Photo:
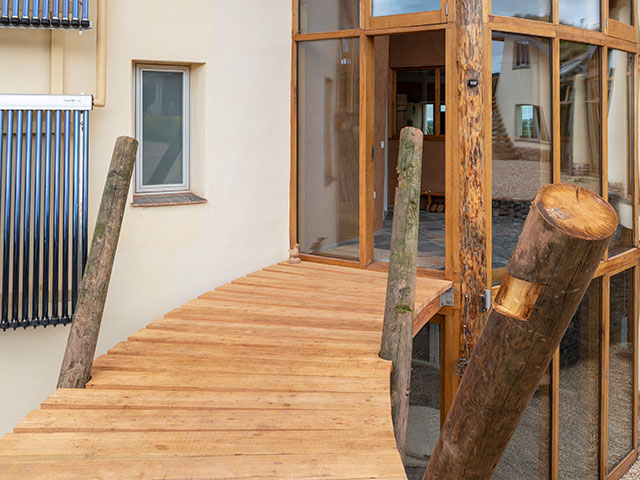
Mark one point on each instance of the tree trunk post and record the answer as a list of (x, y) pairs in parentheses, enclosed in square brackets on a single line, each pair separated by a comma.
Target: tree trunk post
[(560, 247), (397, 332), (83, 336)]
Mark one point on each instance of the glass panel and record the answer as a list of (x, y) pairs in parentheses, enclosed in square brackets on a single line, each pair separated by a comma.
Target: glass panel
[(621, 11), (580, 115), (328, 15), (531, 10), (415, 100), (443, 109), (580, 13), (521, 133), (528, 454), (328, 123), (579, 392), (381, 8), (162, 128), (423, 427), (620, 168), (621, 345)]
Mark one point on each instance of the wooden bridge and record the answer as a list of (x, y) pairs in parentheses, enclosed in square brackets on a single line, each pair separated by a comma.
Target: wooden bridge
[(275, 375)]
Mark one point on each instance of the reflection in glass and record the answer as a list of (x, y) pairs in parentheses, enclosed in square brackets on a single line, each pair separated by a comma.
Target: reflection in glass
[(521, 138), (416, 100), (580, 13), (580, 116), (528, 454), (621, 11), (579, 390), (328, 122), (328, 15), (531, 10), (621, 345), (381, 8), (162, 128), (621, 131)]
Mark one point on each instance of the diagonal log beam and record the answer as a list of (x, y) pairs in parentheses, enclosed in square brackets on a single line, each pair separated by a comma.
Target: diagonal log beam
[(560, 247)]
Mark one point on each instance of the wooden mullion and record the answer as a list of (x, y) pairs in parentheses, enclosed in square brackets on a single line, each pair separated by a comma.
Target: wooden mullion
[(555, 99), (452, 196), (293, 177), (365, 13), (295, 16), (307, 37), (604, 116), (636, 314), (555, 414), (555, 12), (488, 120), (634, 153), (604, 374)]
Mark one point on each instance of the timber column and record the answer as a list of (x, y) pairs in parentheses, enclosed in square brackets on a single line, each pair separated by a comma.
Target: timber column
[(471, 271)]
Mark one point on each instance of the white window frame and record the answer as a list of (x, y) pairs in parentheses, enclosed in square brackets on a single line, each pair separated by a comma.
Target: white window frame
[(184, 186)]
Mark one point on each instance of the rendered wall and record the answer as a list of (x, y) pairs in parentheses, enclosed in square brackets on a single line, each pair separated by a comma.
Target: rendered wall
[(240, 138)]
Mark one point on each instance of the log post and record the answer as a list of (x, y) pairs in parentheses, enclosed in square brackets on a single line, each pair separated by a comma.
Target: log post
[(397, 331), (557, 254), (83, 337)]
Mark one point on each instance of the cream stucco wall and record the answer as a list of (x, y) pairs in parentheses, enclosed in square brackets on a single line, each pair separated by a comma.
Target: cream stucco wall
[(240, 137)]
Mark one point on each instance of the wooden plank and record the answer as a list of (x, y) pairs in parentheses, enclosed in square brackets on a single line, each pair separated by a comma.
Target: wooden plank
[(131, 399), (187, 444), (365, 421), (246, 382), (274, 366), (264, 467)]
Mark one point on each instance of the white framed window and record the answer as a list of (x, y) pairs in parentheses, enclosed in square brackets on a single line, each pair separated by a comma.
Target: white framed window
[(162, 101)]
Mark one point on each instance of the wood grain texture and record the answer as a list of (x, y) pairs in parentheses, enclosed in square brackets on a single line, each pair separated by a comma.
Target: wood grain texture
[(273, 377)]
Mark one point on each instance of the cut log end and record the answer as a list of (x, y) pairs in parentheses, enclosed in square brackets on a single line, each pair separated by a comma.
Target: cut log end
[(576, 211)]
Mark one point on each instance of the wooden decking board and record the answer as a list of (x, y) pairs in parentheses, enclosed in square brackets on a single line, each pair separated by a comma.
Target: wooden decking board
[(275, 375)]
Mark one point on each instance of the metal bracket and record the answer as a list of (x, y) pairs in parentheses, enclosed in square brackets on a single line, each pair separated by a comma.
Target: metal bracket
[(446, 299), (486, 300)]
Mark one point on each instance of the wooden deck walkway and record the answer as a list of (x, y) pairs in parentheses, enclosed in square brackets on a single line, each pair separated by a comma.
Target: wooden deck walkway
[(275, 375)]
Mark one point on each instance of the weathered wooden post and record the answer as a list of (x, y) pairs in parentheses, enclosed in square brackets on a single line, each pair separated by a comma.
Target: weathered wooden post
[(397, 332), (83, 337), (558, 252)]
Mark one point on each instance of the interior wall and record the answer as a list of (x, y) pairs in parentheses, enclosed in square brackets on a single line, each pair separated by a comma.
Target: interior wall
[(420, 49)]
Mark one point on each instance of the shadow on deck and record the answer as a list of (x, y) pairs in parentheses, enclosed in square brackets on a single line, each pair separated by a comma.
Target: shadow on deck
[(275, 375)]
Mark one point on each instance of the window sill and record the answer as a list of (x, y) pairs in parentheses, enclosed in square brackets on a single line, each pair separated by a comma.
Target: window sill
[(166, 199)]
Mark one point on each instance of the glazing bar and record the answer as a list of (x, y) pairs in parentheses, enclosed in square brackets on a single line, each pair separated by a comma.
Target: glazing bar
[(7, 218), (55, 267), (15, 267), (26, 226), (47, 221), (76, 201), (85, 188), (4, 324), (65, 219), (35, 287)]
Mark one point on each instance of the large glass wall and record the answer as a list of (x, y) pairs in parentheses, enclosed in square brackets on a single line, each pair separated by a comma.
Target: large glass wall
[(620, 154), (579, 392), (621, 348), (328, 143), (580, 115), (531, 10), (328, 15), (521, 133)]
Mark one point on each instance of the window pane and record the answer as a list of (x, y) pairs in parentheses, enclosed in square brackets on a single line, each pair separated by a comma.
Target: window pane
[(620, 168), (621, 10), (580, 122), (328, 141), (532, 10), (521, 134), (528, 454), (621, 344), (162, 128), (580, 13), (415, 100), (328, 15), (395, 7), (579, 390)]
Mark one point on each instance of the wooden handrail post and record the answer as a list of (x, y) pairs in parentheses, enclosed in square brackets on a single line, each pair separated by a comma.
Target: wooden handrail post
[(560, 247), (397, 331), (83, 336)]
